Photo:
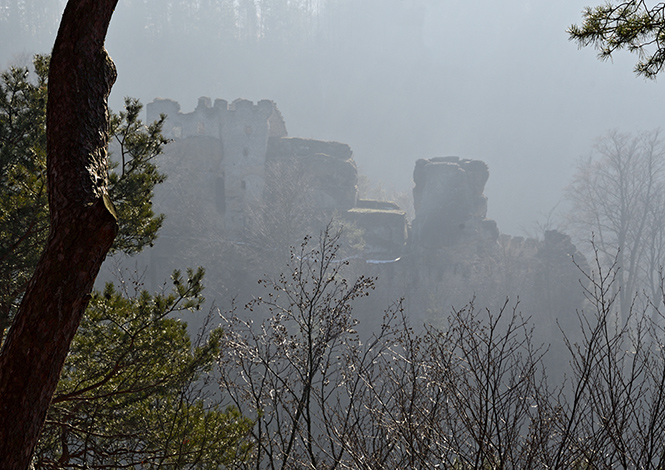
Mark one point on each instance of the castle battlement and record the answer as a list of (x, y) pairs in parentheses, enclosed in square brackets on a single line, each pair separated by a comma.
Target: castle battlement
[(235, 166), (213, 120)]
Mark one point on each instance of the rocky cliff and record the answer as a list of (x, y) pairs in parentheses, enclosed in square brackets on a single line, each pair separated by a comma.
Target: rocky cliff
[(240, 192)]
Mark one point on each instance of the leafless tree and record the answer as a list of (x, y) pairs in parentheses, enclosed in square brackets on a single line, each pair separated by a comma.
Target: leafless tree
[(470, 393), (292, 373), (617, 195), (612, 410), (464, 395), (322, 398)]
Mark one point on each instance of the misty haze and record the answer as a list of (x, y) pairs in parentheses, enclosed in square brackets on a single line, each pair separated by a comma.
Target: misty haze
[(431, 234)]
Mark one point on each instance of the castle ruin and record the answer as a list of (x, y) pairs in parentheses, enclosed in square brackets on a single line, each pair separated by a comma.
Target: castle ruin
[(228, 162), (234, 155)]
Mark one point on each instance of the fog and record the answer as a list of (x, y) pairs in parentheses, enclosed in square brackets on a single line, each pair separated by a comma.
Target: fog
[(398, 81), (482, 111), (494, 81)]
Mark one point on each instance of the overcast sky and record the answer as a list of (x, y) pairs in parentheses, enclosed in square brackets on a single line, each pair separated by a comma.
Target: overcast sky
[(496, 81)]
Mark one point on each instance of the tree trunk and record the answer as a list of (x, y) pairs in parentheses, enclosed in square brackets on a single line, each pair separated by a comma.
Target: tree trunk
[(82, 228)]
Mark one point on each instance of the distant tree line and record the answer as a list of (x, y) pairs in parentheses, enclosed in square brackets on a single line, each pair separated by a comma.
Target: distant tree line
[(245, 20)]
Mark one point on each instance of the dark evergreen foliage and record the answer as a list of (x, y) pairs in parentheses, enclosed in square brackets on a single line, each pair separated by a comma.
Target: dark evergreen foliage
[(634, 26), (130, 392), (23, 198), (132, 388)]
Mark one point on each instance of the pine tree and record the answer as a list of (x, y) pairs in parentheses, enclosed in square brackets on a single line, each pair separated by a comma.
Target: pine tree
[(23, 198), (132, 388), (633, 25)]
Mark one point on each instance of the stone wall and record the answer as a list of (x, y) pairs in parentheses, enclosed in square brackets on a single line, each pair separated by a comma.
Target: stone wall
[(242, 129), (247, 161), (384, 227), (328, 169)]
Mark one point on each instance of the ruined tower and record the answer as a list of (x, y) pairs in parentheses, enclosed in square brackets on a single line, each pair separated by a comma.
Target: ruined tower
[(226, 146)]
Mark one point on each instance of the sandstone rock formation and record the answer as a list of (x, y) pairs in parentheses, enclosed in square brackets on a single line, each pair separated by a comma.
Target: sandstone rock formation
[(383, 225), (449, 202), (239, 190), (328, 169)]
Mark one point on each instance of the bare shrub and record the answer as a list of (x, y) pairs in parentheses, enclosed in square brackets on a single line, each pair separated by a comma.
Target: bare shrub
[(469, 394)]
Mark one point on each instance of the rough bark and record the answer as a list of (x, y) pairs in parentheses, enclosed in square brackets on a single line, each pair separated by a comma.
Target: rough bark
[(82, 228)]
